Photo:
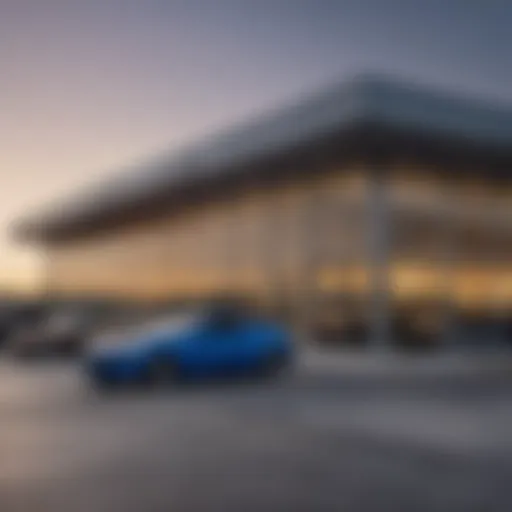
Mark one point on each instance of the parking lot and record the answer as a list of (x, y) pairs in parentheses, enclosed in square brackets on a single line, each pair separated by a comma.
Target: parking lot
[(327, 437)]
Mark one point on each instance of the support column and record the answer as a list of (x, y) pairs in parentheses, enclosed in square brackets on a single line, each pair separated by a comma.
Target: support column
[(272, 251), (311, 248), (49, 262), (449, 252), (379, 244)]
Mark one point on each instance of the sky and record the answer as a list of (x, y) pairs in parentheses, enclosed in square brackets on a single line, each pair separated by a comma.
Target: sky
[(87, 87)]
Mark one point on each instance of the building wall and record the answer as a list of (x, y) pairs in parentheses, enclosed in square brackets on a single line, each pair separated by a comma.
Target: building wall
[(452, 237), (305, 244)]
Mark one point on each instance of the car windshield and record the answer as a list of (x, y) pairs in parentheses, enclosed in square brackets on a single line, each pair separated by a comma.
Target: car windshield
[(222, 316), (129, 328)]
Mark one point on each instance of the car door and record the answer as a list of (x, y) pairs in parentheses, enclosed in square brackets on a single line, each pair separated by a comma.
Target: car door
[(221, 350)]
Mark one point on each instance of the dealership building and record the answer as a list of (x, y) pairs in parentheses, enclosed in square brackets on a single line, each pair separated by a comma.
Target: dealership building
[(373, 211)]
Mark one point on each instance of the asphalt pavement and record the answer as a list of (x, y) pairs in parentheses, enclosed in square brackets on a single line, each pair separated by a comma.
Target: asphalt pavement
[(332, 436)]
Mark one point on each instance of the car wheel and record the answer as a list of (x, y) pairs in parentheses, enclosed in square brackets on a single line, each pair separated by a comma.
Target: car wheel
[(161, 372), (275, 365), (103, 384)]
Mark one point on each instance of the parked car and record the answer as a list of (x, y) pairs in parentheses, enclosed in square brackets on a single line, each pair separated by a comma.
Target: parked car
[(60, 333), (9, 319), (221, 342)]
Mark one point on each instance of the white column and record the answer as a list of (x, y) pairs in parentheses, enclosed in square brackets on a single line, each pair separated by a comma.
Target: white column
[(379, 232), (449, 261), (311, 230)]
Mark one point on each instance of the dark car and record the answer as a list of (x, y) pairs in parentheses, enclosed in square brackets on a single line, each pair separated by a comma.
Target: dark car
[(60, 333)]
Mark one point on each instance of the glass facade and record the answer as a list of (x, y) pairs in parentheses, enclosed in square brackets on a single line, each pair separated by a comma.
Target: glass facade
[(305, 244)]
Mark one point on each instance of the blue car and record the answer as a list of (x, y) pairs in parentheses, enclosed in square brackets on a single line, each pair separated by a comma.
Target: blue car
[(201, 346)]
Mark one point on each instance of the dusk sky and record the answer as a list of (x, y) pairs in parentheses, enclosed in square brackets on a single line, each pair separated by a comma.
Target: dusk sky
[(89, 86)]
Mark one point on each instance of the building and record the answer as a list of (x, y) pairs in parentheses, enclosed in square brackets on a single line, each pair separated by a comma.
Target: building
[(375, 210)]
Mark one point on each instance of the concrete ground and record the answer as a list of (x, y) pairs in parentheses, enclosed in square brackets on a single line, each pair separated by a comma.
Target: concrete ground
[(344, 432)]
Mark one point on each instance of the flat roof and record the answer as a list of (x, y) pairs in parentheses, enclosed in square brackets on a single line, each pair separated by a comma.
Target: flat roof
[(366, 99)]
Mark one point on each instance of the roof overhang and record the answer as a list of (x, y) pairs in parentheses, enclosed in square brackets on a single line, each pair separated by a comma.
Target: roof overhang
[(365, 118)]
